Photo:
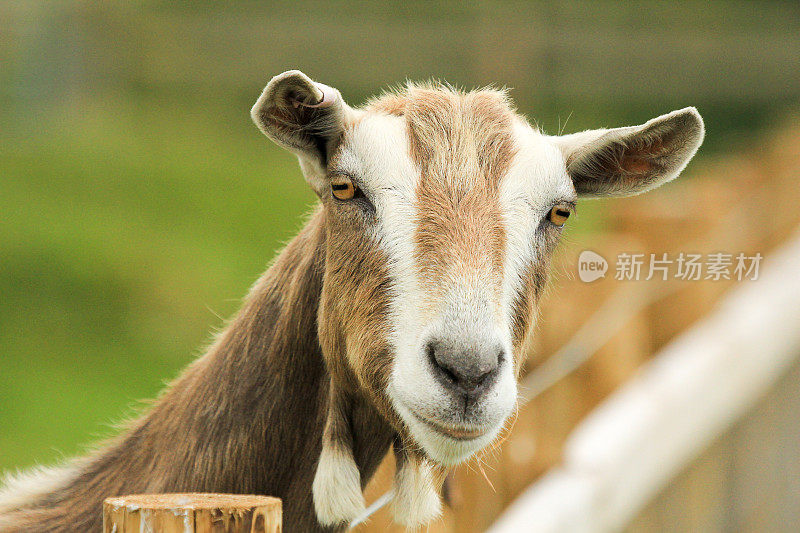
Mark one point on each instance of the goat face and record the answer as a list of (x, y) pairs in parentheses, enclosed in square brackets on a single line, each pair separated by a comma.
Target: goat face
[(442, 209)]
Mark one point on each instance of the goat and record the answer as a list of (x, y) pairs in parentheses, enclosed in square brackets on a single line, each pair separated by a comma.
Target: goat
[(396, 318)]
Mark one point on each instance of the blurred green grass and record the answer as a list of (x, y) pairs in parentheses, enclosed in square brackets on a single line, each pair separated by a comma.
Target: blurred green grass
[(138, 203)]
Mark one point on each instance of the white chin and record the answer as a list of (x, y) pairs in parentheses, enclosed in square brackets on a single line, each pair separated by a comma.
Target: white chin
[(444, 449)]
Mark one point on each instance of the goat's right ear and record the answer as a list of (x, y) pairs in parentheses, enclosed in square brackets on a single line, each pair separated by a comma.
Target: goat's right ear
[(302, 116)]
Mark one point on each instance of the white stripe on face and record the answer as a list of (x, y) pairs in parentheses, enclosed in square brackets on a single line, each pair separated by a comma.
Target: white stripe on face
[(536, 180)]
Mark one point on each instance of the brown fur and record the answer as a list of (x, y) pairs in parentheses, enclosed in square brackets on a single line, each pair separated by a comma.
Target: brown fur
[(463, 145), (244, 418)]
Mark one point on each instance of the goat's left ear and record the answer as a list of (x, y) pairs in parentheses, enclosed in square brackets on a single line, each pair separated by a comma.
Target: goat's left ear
[(303, 116), (632, 160)]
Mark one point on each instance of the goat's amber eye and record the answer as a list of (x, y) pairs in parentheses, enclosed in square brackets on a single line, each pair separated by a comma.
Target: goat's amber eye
[(343, 187), (559, 215)]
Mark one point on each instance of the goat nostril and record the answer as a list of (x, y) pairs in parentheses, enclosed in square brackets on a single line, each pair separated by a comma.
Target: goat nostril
[(430, 348), (444, 371)]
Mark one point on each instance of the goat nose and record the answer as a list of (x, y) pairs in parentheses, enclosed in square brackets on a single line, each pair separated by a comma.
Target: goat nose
[(470, 369)]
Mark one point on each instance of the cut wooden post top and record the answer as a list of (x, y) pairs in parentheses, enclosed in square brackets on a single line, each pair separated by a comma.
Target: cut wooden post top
[(192, 513), (194, 500)]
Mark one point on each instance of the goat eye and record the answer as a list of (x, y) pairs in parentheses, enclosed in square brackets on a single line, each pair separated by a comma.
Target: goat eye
[(343, 187), (559, 215)]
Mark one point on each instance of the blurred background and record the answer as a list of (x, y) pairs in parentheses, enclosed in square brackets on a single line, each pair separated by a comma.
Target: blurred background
[(138, 203)]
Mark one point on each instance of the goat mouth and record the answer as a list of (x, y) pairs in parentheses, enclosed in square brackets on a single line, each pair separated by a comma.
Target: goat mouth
[(450, 431)]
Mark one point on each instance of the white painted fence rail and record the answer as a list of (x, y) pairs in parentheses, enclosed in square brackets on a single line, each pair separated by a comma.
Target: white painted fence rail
[(690, 393)]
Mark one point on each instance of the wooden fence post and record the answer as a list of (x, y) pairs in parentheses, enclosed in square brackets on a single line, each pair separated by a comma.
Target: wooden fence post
[(192, 513)]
